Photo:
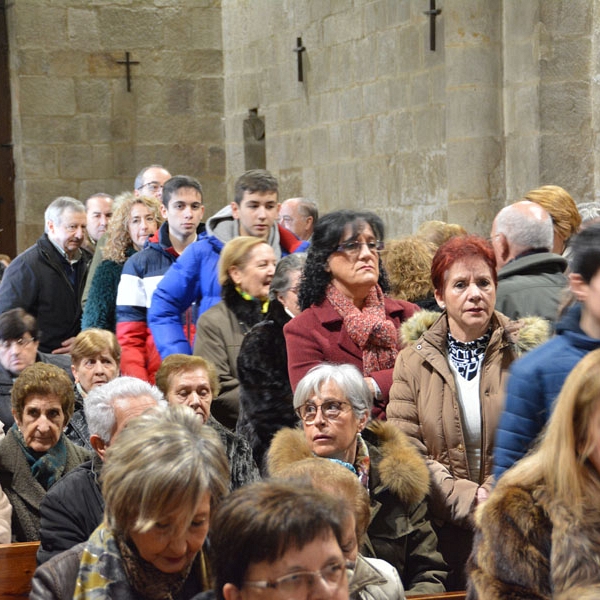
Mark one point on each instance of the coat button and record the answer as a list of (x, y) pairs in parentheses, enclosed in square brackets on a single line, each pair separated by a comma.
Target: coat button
[(460, 448), (418, 346)]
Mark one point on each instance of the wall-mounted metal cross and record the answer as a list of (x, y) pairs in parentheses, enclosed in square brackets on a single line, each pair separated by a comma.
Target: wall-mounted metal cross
[(299, 49), (128, 62), (432, 13)]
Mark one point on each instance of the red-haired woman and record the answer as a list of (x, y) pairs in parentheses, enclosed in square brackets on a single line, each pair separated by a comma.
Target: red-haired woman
[(447, 393)]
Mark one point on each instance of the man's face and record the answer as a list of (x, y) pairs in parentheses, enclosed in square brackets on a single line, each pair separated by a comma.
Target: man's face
[(184, 212), (293, 220), (99, 211), (69, 231), (257, 212), (153, 182)]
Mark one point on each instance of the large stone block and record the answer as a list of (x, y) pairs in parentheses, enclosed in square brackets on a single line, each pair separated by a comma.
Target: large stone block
[(521, 20), (53, 130), (429, 127), (125, 28), (103, 163), (473, 65), (76, 162), (568, 17), (93, 96), (565, 108), (569, 61), (42, 96), (39, 26), (376, 97), (39, 161), (82, 30), (473, 111), (343, 27)]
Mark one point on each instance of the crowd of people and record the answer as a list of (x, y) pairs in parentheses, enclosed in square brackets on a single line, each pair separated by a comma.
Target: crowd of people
[(283, 404)]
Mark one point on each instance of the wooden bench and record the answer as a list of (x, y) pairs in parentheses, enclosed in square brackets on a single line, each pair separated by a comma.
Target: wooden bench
[(444, 596), (17, 564)]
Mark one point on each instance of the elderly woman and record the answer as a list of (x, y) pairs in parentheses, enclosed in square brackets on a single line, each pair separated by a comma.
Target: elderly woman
[(265, 391), (448, 386), (95, 359), (35, 453), (371, 577), (162, 476), (193, 381), (346, 318), (538, 534), (334, 404), (19, 342), (246, 268), (134, 220), (273, 540)]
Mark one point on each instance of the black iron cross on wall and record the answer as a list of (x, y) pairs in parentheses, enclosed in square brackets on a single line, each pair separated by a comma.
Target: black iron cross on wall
[(432, 13), (299, 49), (128, 62)]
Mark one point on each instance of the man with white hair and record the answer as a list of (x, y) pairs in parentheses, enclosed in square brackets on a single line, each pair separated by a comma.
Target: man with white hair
[(47, 279), (530, 276), (73, 507)]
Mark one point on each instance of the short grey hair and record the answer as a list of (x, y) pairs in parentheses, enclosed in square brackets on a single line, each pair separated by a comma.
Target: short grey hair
[(347, 377), (99, 404), (163, 462), (98, 195), (57, 207), (308, 208), (139, 178), (523, 231), (285, 267), (589, 211)]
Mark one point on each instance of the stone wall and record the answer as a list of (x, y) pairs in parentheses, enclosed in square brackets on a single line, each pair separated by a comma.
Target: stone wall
[(77, 129)]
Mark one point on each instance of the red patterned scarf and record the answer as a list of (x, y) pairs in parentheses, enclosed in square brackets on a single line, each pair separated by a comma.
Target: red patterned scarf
[(368, 328)]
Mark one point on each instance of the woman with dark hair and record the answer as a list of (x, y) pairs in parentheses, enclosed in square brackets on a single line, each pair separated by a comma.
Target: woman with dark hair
[(265, 391), (346, 317), (449, 386)]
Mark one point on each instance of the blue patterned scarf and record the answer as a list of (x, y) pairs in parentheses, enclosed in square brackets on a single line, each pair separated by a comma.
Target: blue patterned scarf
[(467, 357)]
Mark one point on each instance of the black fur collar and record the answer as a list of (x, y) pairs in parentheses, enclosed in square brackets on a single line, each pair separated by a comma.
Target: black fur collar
[(248, 312)]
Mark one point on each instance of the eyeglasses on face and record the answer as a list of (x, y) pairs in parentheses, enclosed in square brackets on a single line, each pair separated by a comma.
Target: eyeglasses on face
[(352, 248), (153, 186), (21, 343), (330, 409), (296, 585)]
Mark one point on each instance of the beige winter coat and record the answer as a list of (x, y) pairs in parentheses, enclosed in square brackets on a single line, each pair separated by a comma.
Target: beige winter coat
[(423, 403)]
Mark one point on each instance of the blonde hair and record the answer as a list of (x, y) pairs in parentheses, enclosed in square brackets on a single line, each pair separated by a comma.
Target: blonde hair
[(163, 462), (439, 232), (562, 208), (335, 480), (236, 253), (407, 262), (92, 342), (560, 457), (176, 364), (118, 240)]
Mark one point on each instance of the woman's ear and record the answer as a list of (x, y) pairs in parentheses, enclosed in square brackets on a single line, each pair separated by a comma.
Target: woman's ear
[(578, 287), (231, 592), (439, 298), (235, 274)]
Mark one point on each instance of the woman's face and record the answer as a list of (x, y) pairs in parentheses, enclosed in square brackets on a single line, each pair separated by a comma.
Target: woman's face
[(191, 388), (142, 225), (42, 422), (469, 296), (321, 554), (333, 438), (172, 543), (95, 370), (355, 272), (256, 276), (289, 298)]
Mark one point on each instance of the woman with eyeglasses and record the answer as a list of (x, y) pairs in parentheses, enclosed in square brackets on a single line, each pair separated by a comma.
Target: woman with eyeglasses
[(346, 317), (334, 403), (135, 219), (278, 541), (448, 388)]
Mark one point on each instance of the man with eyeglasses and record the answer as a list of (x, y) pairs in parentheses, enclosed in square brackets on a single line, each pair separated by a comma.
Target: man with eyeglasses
[(19, 348), (47, 279), (183, 209), (193, 279), (150, 181)]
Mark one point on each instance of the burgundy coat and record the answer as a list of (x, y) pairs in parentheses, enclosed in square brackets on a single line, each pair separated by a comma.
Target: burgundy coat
[(317, 335)]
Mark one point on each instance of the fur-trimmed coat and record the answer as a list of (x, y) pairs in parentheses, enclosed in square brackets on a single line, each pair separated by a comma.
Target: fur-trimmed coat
[(528, 546), (219, 335), (400, 531), (424, 404), (266, 399)]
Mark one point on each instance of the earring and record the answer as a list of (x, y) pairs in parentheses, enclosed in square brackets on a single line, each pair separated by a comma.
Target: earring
[(443, 306)]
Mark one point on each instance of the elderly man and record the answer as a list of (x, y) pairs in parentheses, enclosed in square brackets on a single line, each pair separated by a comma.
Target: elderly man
[(530, 277), (299, 215), (47, 279), (19, 344), (74, 506), (98, 210)]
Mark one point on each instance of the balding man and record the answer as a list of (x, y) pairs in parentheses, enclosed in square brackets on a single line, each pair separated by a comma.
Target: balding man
[(530, 277), (98, 210), (299, 215)]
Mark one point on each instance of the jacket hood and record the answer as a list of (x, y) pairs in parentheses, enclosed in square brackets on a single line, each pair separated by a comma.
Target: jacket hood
[(222, 225), (525, 334), (401, 468)]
